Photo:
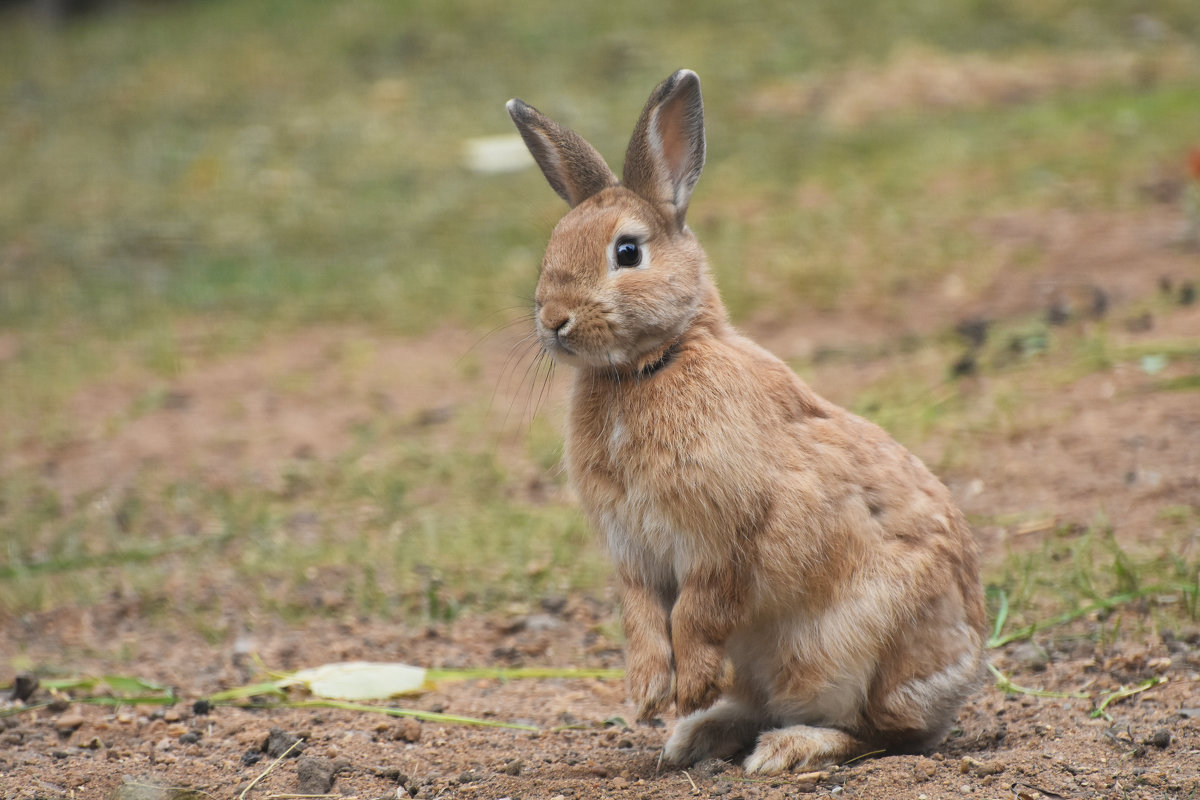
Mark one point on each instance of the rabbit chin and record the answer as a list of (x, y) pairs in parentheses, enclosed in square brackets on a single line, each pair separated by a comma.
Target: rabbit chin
[(582, 359), (608, 358)]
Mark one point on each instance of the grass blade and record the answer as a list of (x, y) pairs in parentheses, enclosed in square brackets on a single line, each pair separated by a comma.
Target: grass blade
[(1005, 684), (112, 558), (232, 696), (524, 673), (1001, 612), (393, 711), (1105, 604), (1101, 709)]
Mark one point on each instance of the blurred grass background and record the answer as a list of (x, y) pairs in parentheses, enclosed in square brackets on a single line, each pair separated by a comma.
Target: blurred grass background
[(188, 180)]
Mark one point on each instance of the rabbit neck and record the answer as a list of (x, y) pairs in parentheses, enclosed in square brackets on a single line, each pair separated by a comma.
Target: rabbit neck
[(710, 321)]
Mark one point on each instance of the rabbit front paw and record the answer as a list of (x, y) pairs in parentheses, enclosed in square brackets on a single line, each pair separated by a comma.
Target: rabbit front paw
[(651, 684), (699, 679)]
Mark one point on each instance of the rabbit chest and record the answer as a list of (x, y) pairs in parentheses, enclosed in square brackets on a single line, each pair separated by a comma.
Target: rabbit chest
[(668, 470)]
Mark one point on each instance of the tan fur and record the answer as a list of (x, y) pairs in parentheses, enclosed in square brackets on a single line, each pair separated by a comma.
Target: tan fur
[(751, 522)]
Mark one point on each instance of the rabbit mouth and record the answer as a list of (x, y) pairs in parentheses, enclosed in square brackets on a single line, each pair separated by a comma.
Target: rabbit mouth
[(554, 345), (559, 347), (573, 355)]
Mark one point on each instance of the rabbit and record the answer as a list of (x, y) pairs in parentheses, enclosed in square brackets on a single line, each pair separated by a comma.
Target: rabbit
[(794, 581)]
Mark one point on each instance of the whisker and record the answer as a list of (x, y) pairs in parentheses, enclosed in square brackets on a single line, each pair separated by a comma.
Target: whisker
[(530, 407), (524, 318), (530, 369), (547, 376), (517, 351)]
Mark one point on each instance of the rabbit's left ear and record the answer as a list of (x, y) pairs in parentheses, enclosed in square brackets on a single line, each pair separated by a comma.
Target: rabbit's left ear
[(666, 153), (572, 166)]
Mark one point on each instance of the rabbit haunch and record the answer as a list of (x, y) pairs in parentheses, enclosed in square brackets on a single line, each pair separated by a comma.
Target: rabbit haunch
[(795, 582)]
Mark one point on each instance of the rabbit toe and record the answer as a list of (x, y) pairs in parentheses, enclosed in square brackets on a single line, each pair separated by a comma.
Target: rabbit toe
[(652, 691), (800, 747), (718, 732)]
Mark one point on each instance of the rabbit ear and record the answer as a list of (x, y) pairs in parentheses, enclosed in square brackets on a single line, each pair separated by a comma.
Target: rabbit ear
[(572, 166), (666, 153)]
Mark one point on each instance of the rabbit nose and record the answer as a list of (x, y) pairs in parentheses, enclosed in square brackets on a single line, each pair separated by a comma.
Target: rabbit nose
[(555, 319)]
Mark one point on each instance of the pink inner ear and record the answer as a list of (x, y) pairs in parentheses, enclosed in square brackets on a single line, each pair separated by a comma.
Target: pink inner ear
[(672, 137)]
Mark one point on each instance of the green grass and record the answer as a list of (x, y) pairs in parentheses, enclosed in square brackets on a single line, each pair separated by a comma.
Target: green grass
[(301, 163), (1087, 576), (408, 529), (185, 181)]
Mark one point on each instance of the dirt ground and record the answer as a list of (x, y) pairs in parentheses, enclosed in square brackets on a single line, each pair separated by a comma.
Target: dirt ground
[(1006, 746), (1107, 442)]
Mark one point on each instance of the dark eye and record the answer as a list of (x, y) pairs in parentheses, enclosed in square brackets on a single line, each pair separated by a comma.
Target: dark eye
[(628, 253)]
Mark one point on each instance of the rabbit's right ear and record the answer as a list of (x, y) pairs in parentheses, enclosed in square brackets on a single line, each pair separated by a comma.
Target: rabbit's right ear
[(666, 153), (572, 166)]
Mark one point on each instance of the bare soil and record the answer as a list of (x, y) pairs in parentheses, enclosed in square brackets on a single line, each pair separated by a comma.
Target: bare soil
[(1107, 441), (1006, 745)]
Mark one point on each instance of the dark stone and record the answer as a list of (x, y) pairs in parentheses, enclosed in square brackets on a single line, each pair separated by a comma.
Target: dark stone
[(24, 685)]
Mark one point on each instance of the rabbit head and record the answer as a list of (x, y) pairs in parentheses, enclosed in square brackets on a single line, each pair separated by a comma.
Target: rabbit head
[(623, 276)]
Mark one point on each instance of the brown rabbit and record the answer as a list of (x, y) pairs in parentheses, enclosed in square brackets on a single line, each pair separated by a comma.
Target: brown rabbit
[(752, 523)]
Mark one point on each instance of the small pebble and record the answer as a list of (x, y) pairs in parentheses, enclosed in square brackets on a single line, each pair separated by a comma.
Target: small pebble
[(1030, 656), (69, 722), (407, 730)]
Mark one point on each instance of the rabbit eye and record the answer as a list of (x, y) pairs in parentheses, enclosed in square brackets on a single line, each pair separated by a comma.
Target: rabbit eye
[(628, 254)]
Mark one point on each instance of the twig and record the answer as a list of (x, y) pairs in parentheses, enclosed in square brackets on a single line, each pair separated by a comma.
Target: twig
[(267, 771), (695, 788), (860, 757)]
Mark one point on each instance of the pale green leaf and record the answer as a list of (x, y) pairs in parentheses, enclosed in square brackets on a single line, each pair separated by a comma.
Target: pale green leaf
[(361, 680)]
